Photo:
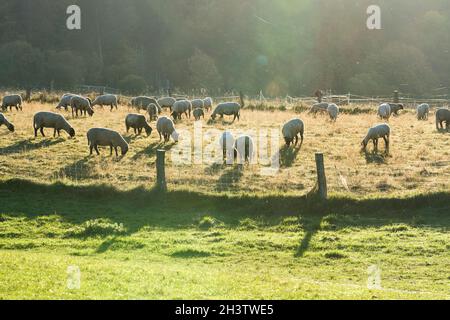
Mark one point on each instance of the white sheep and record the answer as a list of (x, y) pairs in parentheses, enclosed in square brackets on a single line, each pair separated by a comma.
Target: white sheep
[(375, 133), (180, 107), (152, 110), (84, 105), (167, 102), (166, 129), (333, 111), (51, 120), (319, 108), (106, 100), (4, 121), (291, 130), (443, 115), (138, 123), (12, 101), (226, 143), (198, 113), (208, 103), (384, 111), (65, 101), (423, 111), (108, 138), (244, 148), (197, 103), (228, 109)]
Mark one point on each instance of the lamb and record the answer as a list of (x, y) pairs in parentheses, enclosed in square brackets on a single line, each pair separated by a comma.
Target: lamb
[(244, 148), (166, 129), (333, 111), (65, 101), (197, 103), (422, 111), (443, 115), (137, 122), (106, 137), (291, 130), (208, 102), (226, 143), (384, 111), (84, 105), (180, 107), (228, 109), (106, 100), (4, 121), (375, 133), (167, 102), (396, 107), (198, 113), (12, 101), (152, 111), (319, 107), (52, 120)]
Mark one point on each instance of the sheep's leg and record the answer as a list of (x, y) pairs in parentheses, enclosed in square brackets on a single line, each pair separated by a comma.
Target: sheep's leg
[(117, 154), (140, 131), (96, 149), (296, 140), (375, 144), (36, 132), (110, 150), (112, 107), (160, 137), (386, 141), (59, 133), (91, 148), (42, 131), (54, 133)]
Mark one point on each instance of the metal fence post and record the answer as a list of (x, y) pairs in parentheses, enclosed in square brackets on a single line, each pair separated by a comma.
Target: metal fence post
[(161, 183), (321, 177)]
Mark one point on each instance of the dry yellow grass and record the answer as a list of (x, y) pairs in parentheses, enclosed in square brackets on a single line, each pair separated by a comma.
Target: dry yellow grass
[(419, 161)]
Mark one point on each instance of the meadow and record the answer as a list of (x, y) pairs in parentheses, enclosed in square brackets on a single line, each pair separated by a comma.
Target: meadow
[(221, 232)]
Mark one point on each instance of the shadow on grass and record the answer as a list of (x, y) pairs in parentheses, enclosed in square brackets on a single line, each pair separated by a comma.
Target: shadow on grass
[(78, 170), (376, 157), (29, 145), (288, 155), (127, 212), (230, 177)]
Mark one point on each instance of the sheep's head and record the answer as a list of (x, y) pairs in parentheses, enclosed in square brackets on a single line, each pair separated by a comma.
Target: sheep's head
[(288, 141), (213, 116), (11, 128), (148, 130), (363, 145), (124, 150), (72, 132), (175, 136), (91, 112)]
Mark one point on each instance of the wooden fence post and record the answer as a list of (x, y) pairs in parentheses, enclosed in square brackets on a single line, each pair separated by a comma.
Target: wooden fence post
[(396, 97), (321, 177), (160, 170)]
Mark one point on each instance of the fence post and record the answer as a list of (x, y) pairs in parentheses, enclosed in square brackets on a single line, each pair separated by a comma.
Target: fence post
[(396, 97), (160, 170), (321, 177)]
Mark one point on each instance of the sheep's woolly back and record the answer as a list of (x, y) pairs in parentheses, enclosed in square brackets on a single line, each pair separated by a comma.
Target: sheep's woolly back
[(208, 102), (165, 126), (422, 111), (384, 111), (46, 119), (12, 100), (333, 111), (443, 114), (293, 128), (319, 107), (379, 131), (227, 108), (106, 137), (167, 102), (106, 99), (197, 103)]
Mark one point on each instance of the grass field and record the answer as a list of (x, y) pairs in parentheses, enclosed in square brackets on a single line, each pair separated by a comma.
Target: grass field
[(220, 232)]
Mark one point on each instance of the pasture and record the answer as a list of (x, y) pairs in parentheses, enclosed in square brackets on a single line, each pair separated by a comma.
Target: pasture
[(221, 232)]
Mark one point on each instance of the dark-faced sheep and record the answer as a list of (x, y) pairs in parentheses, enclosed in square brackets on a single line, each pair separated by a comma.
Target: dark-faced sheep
[(166, 129), (82, 105), (106, 100), (4, 121), (291, 130), (198, 113), (106, 138), (443, 115), (375, 133), (181, 107), (227, 109), (51, 120), (138, 123), (12, 101)]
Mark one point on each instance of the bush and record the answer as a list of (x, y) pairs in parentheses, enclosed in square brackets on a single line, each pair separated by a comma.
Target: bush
[(97, 228)]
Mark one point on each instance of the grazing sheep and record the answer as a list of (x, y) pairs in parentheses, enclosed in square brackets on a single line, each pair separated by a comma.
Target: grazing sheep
[(137, 122), (208, 102), (52, 120), (244, 148), (4, 121), (443, 115), (106, 100), (107, 138), (226, 143), (84, 105), (384, 111), (333, 111), (180, 107), (291, 130), (423, 111), (319, 107), (198, 113), (166, 129), (152, 111), (142, 102), (197, 103), (12, 101), (375, 133), (65, 101), (167, 102), (228, 109), (396, 107)]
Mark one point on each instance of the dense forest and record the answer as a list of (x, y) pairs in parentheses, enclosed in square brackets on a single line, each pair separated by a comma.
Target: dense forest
[(281, 47)]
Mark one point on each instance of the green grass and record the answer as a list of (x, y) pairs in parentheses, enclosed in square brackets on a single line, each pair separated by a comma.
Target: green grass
[(182, 245)]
